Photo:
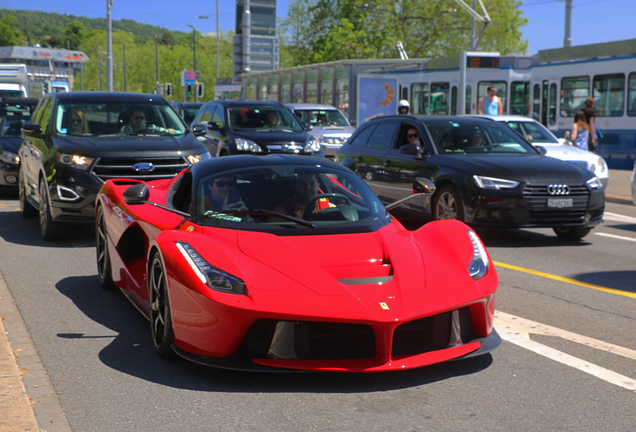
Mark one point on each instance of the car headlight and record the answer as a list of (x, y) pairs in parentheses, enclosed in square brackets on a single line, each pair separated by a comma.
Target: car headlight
[(480, 263), (247, 145), (494, 183), (601, 165), (216, 279), (319, 138), (312, 146), (75, 161), (10, 158), (595, 183), (198, 157)]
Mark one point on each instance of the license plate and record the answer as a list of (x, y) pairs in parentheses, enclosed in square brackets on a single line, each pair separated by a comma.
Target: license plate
[(560, 202)]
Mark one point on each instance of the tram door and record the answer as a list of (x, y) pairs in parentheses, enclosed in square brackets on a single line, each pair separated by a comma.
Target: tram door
[(544, 102)]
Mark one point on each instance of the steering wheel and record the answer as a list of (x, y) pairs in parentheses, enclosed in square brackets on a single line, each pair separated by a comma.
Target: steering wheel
[(309, 208)]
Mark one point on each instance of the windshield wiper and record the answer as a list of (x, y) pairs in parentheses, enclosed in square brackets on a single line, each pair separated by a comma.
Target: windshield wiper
[(264, 213)]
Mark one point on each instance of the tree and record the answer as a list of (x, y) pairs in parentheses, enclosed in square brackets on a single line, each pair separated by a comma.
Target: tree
[(167, 39), (9, 34), (75, 33)]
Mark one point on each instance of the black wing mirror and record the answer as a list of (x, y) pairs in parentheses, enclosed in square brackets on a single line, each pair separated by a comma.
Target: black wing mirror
[(541, 149), (198, 130), (32, 128), (137, 194), (308, 126)]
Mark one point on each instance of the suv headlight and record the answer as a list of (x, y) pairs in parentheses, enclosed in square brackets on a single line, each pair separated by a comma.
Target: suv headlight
[(480, 263), (75, 161), (247, 145), (10, 158), (192, 159), (213, 277), (494, 183), (312, 146)]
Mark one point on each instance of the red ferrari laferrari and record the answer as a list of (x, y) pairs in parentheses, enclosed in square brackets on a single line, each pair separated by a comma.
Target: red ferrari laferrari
[(289, 262)]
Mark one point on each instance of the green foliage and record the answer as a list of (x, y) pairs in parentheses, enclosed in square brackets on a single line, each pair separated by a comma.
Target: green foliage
[(9, 33), (75, 33), (329, 30)]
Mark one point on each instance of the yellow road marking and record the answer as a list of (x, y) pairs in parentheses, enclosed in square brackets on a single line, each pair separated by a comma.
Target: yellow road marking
[(566, 280)]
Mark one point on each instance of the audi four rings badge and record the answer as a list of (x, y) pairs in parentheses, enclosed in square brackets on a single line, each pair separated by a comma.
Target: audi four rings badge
[(558, 189)]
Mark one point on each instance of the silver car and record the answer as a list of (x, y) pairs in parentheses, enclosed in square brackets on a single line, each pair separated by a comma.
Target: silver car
[(328, 125)]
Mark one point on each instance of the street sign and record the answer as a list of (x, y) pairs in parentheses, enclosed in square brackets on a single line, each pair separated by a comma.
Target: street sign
[(188, 78)]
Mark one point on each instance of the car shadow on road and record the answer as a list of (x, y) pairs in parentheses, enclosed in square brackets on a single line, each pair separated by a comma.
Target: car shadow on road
[(131, 352)]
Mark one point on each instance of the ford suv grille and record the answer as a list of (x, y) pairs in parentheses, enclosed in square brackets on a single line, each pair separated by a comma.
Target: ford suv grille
[(161, 168)]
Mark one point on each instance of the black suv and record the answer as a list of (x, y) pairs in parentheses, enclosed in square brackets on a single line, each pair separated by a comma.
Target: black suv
[(76, 141), (253, 127)]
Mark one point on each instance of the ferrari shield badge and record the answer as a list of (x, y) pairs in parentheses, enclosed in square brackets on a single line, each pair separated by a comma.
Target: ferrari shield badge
[(384, 306)]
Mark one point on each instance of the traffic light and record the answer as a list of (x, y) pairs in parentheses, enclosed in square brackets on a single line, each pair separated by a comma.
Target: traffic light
[(200, 90), (46, 87), (189, 90), (168, 89)]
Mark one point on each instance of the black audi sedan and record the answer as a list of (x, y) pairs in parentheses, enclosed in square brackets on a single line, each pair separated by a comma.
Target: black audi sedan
[(78, 140), (485, 174), (229, 127)]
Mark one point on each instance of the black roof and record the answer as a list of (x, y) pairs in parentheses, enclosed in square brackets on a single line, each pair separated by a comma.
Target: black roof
[(231, 103), (106, 97)]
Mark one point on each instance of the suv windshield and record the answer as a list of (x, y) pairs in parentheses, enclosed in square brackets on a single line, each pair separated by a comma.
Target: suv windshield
[(319, 118), (262, 118), (456, 137), (95, 119)]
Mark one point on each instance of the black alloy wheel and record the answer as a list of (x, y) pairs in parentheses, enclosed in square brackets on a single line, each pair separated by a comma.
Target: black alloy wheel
[(447, 204), (49, 229), (160, 317), (26, 209), (572, 233), (104, 272)]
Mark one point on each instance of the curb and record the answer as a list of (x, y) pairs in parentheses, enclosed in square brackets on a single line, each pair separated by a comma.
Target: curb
[(617, 199), (33, 402)]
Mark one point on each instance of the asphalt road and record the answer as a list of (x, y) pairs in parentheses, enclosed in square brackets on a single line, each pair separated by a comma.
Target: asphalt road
[(96, 349)]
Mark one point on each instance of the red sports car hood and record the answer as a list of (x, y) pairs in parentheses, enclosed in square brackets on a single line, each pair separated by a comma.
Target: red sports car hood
[(336, 265)]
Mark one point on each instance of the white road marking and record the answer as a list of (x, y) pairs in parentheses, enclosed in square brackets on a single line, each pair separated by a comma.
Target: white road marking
[(616, 236), (517, 330), (614, 217)]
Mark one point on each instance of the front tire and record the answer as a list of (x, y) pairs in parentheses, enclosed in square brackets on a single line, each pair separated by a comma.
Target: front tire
[(572, 233), (447, 204), (104, 272), (160, 316), (49, 229), (26, 209)]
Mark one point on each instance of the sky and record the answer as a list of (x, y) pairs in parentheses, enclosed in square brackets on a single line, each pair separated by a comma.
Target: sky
[(593, 21)]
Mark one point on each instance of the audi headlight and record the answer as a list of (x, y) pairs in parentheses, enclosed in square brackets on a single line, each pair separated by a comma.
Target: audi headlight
[(601, 165), (10, 158), (312, 146), (247, 145), (75, 161), (480, 263), (595, 183), (216, 279), (198, 158), (494, 183)]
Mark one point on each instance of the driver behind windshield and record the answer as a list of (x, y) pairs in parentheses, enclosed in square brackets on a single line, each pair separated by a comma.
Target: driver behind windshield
[(305, 188), (138, 124)]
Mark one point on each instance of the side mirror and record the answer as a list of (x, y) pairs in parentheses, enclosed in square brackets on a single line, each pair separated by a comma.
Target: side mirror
[(412, 149), (32, 128), (352, 122), (308, 126), (423, 185), (541, 149), (198, 130), (137, 194)]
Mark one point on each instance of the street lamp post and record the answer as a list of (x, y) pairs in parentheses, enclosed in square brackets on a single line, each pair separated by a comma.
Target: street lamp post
[(109, 47), (123, 45), (194, 51)]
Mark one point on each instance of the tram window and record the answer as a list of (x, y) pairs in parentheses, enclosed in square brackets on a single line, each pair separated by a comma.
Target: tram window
[(519, 97), (536, 102), (439, 98), (609, 95), (482, 90), (631, 95), (468, 99), (552, 107), (419, 96), (574, 91), (454, 100)]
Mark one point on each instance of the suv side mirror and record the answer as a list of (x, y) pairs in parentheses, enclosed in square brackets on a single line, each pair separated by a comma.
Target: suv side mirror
[(198, 130), (308, 126), (32, 128)]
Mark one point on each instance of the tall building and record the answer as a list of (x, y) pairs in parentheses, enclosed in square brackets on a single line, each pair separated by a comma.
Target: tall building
[(255, 43)]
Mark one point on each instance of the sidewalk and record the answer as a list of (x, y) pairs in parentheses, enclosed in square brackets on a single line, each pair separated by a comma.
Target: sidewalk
[(619, 189)]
